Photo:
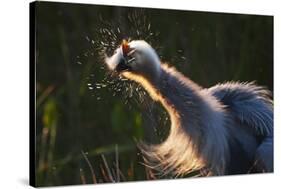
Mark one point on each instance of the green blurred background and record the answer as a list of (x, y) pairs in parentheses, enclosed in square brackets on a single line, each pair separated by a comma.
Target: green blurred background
[(77, 122)]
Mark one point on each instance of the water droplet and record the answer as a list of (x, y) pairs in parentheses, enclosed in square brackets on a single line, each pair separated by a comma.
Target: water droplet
[(79, 62), (91, 88)]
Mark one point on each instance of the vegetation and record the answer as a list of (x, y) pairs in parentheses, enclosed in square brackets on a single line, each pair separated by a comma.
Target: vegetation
[(87, 123)]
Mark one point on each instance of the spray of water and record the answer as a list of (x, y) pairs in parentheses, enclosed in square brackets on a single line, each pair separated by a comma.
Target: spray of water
[(107, 37), (134, 25)]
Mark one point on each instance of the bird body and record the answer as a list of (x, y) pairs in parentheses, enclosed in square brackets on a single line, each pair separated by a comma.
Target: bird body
[(225, 129), (251, 109)]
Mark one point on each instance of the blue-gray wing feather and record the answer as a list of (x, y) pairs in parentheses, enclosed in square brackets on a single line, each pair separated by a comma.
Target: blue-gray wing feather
[(248, 103), (251, 105)]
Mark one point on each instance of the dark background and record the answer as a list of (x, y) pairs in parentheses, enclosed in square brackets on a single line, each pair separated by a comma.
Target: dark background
[(78, 111)]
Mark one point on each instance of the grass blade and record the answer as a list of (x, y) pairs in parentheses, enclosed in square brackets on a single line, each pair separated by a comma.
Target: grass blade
[(107, 169), (91, 167), (117, 164)]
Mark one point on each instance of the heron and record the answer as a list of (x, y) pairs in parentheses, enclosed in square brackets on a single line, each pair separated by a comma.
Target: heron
[(222, 130)]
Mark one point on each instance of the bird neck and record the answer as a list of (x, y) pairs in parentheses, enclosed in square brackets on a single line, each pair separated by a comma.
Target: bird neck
[(197, 122), (178, 95), (181, 98)]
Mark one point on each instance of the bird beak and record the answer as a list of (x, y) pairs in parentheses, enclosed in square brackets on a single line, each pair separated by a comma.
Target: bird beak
[(119, 61), (123, 64), (125, 47)]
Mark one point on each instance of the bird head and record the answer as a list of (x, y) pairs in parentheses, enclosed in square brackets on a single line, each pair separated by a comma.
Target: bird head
[(135, 58)]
